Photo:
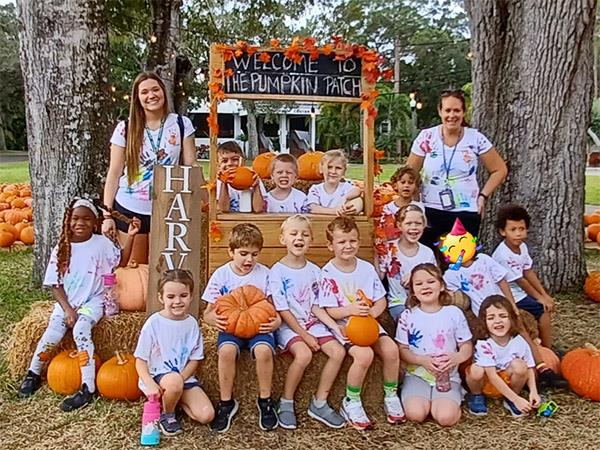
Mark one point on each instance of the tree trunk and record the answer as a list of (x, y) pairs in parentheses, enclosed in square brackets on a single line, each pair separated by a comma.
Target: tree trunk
[(532, 92), (64, 59), (163, 52), (250, 108), (2, 138)]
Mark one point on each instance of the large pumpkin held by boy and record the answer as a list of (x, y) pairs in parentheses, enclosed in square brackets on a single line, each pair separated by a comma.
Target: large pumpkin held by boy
[(246, 308)]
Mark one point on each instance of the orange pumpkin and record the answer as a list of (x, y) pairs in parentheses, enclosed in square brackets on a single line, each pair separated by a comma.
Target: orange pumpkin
[(6, 239), (27, 235), (10, 188), (24, 193), (581, 368), (241, 178), (132, 287), (489, 390), (309, 166), (14, 216), (363, 330), (117, 379), (64, 372), (246, 308), (550, 358), (262, 164), (10, 229), (592, 286), (4, 205), (589, 219), (593, 230), (18, 203)]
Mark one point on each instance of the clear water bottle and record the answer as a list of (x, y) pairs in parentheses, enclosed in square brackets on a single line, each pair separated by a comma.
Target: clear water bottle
[(442, 379), (111, 307), (150, 416)]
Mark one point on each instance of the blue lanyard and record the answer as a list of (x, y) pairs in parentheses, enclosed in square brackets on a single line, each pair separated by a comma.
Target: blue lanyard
[(156, 147), (449, 163)]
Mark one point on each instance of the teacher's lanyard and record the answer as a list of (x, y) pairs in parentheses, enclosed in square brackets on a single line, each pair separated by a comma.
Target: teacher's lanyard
[(156, 146), (449, 163)]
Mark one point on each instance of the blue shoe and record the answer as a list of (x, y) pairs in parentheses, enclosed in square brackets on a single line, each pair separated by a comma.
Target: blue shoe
[(476, 404), (512, 409)]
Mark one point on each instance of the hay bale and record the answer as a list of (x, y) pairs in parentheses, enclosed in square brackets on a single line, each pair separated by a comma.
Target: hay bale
[(110, 334)]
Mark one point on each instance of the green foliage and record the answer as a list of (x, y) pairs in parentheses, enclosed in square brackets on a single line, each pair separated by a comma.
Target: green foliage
[(12, 107), (338, 126), (595, 125)]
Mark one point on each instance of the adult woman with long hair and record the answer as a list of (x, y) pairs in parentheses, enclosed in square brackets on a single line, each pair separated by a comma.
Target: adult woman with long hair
[(448, 155), (151, 135)]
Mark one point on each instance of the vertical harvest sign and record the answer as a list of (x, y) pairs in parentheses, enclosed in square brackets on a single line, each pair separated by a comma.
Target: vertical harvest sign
[(175, 239)]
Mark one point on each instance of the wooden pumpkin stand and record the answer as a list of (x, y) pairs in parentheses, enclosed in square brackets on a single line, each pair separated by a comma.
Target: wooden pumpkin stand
[(121, 332)]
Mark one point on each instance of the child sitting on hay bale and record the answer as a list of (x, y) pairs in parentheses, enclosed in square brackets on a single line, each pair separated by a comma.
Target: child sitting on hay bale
[(306, 327), (75, 272), (169, 351), (245, 244)]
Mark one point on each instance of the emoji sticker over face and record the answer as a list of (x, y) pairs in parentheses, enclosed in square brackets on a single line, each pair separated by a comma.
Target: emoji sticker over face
[(458, 246)]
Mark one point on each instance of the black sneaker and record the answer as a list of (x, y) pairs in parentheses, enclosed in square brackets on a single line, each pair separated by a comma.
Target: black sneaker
[(225, 412), (30, 384), (81, 398), (267, 416), (550, 379), (169, 424)]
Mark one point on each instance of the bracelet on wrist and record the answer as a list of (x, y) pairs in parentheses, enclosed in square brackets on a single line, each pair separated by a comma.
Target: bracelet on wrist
[(486, 197)]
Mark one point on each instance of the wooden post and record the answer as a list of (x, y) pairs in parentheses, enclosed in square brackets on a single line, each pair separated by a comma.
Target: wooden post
[(178, 240)]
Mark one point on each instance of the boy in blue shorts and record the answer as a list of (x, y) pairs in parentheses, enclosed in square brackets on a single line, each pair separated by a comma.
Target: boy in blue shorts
[(245, 244), (512, 254)]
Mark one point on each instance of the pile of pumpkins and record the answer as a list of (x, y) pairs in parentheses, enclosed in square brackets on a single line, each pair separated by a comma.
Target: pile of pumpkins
[(592, 222), (116, 379), (16, 214)]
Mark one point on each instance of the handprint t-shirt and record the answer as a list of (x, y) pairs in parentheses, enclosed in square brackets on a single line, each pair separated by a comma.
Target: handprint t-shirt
[(168, 345), (453, 168), (137, 197), (438, 333)]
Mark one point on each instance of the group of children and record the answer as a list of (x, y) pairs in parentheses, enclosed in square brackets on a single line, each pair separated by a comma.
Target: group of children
[(431, 340)]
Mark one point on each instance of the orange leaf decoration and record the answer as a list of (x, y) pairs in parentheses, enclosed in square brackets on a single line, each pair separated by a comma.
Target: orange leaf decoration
[(218, 73), (327, 49), (264, 57), (227, 55), (209, 186), (314, 55), (388, 74), (251, 50), (228, 73), (215, 233), (238, 53), (379, 154), (309, 44), (241, 45), (275, 43)]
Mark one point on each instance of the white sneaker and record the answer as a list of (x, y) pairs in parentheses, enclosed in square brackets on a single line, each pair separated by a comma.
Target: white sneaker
[(393, 410), (354, 413)]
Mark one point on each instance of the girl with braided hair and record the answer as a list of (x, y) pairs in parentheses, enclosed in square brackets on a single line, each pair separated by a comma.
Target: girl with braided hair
[(74, 273)]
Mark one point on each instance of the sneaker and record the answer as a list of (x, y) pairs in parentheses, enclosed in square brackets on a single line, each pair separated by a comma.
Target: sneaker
[(326, 414), (512, 409), (393, 410), (81, 398), (267, 416), (169, 425), (286, 416), (550, 379), (354, 413), (30, 384), (476, 404), (224, 416)]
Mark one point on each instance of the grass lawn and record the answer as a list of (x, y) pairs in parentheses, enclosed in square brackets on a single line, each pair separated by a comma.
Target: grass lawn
[(14, 172)]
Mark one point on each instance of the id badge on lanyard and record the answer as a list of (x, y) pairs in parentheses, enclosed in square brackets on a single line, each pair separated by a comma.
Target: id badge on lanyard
[(447, 199)]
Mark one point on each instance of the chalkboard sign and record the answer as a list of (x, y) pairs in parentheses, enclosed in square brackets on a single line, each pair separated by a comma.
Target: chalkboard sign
[(279, 77)]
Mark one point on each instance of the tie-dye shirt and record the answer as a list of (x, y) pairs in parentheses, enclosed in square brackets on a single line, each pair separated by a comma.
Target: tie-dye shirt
[(340, 289), (167, 345), (478, 281), (295, 202), (435, 333), (224, 280), (488, 353), (138, 196), (317, 195), (89, 261), (296, 291), (514, 264), (462, 178)]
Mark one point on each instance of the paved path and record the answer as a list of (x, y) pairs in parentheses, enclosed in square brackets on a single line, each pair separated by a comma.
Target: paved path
[(6, 157)]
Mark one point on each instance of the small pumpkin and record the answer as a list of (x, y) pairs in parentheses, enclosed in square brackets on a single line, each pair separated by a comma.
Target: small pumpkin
[(550, 358), (592, 286), (64, 372), (593, 230), (262, 164), (489, 390), (27, 236), (241, 178), (132, 287), (117, 379), (6, 239), (14, 216), (362, 330), (309, 166), (246, 308), (18, 203), (581, 368), (589, 219), (12, 229)]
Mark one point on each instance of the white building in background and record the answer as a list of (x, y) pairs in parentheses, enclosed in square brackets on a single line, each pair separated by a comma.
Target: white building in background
[(288, 128)]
